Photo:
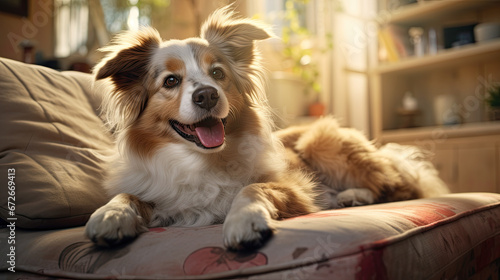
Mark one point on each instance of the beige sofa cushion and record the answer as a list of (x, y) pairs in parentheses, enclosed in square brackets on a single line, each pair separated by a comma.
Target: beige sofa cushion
[(53, 138)]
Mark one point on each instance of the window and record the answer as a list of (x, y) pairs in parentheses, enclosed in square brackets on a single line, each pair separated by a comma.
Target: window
[(71, 27)]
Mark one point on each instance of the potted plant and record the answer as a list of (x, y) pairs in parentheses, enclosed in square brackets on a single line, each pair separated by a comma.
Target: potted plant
[(299, 50), (493, 100)]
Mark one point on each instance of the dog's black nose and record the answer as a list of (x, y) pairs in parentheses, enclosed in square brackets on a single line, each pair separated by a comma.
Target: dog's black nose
[(206, 97)]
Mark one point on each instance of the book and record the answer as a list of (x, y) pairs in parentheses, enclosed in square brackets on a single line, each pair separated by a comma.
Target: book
[(395, 42)]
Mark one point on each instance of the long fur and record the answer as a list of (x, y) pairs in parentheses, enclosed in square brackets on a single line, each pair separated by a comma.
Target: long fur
[(347, 164), (194, 142)]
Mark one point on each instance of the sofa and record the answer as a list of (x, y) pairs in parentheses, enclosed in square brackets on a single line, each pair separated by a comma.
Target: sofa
[(52, 149)]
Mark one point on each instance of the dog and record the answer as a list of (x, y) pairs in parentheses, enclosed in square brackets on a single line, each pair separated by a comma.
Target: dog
[(195, 144)]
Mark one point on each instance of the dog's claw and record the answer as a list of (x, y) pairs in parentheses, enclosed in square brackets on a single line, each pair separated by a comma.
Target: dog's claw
[(250, 245), (260, 240), (247, 230)]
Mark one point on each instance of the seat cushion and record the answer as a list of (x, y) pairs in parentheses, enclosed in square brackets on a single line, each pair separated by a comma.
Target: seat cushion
[(52, 143), (454, 236)]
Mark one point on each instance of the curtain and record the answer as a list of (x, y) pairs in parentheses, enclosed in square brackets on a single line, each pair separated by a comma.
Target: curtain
[(71, 27)]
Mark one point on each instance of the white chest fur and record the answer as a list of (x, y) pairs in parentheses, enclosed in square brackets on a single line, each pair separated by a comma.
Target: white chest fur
[(190, 188)]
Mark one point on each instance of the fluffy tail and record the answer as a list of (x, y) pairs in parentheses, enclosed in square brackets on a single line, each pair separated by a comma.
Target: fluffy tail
[(413, 164)]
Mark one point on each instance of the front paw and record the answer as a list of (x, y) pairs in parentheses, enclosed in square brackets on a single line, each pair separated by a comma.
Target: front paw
[(247, 229), (114, 224)]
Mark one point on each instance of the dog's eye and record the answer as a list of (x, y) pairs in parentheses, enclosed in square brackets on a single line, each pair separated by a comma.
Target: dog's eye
[(171, 82), (217, 74)]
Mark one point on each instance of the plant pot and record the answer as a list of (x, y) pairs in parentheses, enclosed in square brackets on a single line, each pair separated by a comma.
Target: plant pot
[(317, 109), (494, 113)]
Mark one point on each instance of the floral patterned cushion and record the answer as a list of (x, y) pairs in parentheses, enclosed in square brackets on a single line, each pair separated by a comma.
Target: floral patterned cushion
[(456, 235)]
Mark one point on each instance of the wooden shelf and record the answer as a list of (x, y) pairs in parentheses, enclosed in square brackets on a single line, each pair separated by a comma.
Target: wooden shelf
[(422, 75), (441, 132), (467, 156), (445, 58), (429, 11)]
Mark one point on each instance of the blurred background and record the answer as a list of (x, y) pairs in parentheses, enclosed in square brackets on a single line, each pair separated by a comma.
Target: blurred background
[(415, 72), (65, 34)]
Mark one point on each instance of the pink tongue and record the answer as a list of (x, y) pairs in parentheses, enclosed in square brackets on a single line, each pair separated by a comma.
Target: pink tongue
[(212, 136)]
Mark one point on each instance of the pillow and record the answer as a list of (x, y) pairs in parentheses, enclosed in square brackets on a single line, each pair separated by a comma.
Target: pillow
[(51, 146)]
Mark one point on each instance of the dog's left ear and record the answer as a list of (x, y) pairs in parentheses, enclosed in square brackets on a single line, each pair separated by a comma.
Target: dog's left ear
[(232, 35)]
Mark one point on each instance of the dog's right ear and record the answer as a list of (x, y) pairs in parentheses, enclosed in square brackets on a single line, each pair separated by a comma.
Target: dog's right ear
[(126, 65), (128, 54)]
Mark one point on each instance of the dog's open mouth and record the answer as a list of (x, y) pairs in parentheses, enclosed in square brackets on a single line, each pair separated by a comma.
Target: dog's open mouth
[(208, 133)]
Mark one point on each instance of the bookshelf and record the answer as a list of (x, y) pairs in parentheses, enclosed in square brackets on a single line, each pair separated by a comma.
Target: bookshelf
[(459, 131), (459, 75), (416, 13), (444, 59)]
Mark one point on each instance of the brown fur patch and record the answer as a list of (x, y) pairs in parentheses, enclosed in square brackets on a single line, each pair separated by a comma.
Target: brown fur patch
[(144, 209), (294, 161), (245, 121), (291, 197), (209, 58), (143, 141), (174, 65), (290, 135), (152, 130)]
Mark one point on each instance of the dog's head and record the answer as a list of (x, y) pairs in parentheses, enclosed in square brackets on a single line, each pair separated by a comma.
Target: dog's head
[(182, 91)]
